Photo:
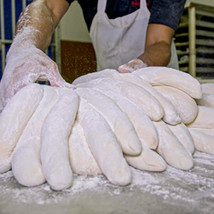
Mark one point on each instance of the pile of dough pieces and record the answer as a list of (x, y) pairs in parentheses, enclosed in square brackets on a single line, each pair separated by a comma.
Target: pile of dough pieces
[(147, 119)]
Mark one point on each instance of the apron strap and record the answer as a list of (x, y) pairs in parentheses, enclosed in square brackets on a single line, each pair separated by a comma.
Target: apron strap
[(143, 4), (101, 5)]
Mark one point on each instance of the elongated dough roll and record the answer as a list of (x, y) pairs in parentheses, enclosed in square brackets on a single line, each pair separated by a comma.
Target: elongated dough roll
[(204, 118), (183, 103), (206, 100), (184, 136), (54, 140), (207, 88), (26, 162), (171, 77), (117, 119), (203, 142), (81, 160), (171, 149), (103, 145), (143, 99), (147, 160), (142, 124), (13, 120)]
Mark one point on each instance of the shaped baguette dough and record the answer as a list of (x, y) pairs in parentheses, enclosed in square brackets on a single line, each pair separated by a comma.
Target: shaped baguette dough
[(171, 150), (203, 142), (117, 119), (207, 88), (26, 165), (13, 120), (81, 160), (103, 145), (184, 136), (135, 94), (171, 77), (147, 160), (170, 114), (141, 122), (206, 100), (204, 119), (183, 103), (54, 140)]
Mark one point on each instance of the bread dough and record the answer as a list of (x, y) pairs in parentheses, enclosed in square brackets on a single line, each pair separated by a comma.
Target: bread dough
[(206, 100), (26, 165), (207, 88), (204, 119), (171, 150), (171, 77), (81, 160), (54, 140), (135, 94), (115, 117), (183, 103), (103, 145), (13, 120)]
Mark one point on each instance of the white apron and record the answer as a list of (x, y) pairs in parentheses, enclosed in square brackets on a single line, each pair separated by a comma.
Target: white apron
[(117, 41)]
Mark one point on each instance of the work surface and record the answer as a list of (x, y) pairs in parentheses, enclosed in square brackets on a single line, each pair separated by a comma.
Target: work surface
[(173, 191)]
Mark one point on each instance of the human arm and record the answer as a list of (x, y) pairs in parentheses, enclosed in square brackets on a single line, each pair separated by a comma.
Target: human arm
[(26, 62), (157, 49)]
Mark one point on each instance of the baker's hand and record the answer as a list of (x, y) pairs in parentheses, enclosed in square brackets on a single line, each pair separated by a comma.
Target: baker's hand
[(132, 66), (25, 66)]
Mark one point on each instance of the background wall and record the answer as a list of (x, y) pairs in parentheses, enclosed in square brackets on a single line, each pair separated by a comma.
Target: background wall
[(73, 26)]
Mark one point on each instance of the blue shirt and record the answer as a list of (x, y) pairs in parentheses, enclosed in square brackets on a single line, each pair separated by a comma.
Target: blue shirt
[(166, 12)]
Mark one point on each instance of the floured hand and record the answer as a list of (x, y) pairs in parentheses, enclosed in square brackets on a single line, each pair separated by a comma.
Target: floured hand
[(25, 65), (132, 66)]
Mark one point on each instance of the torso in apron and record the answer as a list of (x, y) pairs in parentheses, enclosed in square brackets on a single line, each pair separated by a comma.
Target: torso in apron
[(117, 41)]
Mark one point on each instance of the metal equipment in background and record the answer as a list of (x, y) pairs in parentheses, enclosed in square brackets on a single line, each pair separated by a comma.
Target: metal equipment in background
[(194, 40), (10, 11)]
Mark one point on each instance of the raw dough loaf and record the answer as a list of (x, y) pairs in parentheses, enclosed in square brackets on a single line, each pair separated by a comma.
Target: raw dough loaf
[(81, 160), (26, 165), (204, 119), (184, 136), (206, 100), (207, 88), (147, 160), (13, 120), (183, 103), (117, 119), (171, 149), (171, 77), (135, 94), (203, 142), (54, 140), (142, 124), (103, 145), (170, 114)]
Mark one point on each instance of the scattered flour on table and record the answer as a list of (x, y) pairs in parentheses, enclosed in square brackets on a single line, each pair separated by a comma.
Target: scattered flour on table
[(173, 184)]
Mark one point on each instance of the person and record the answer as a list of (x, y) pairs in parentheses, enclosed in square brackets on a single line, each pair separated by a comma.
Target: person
[(126, 35)]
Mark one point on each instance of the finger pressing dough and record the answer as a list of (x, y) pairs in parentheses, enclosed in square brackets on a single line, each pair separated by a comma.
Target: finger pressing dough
[(13, 120), (117, 119), (171, 150), (26, 163), (183, 103), (143, 99), (171, 77), (81, 160), (103, 145), (54, 140)]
